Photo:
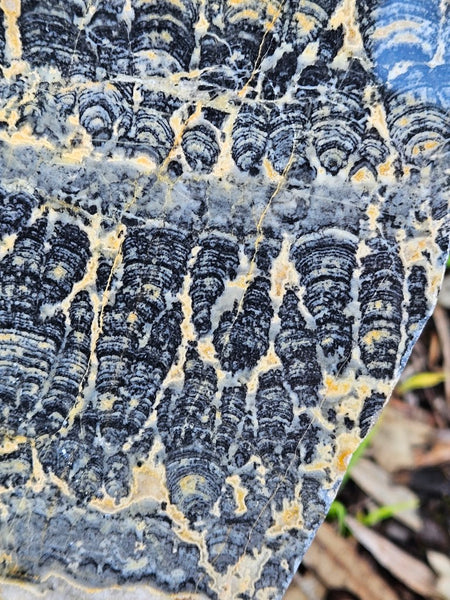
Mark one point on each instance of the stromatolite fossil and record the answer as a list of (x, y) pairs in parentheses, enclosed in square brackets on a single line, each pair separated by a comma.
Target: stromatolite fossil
[(224, 224)]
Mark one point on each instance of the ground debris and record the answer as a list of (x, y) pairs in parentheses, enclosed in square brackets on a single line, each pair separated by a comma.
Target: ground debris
[(412, 572), (337, 563)]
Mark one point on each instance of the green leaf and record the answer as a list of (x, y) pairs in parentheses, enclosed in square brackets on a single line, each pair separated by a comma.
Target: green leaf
[(385, 512), (422, 380), (338, 512)]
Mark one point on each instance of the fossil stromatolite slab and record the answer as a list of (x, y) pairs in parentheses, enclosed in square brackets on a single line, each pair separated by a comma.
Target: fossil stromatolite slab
[(223, 226)]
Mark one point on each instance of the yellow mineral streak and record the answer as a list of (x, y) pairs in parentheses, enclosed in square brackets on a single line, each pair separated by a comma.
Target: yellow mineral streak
[(145, 163), (9, 445), (373, 212), (11, 10), (202, 24), (404, 122), (190, 484), (385, 169), (375, 336), (435, 285), (334, 387), (148, 483), (187, 326), (239, 493), (240, 578), (270, 360), (305, 22), (377, 116), (269, 170), (346, 445), (241, 281), (288, 518), (25, 137), (283, 272), (132, 317), (206, 350), (79, 153), (107, 402), (346, 15), (224, 163), (248, 14), (413, 250), (319, 418), (426, 147), (363, 175), (269, 24), (39, 478), (179, 126)]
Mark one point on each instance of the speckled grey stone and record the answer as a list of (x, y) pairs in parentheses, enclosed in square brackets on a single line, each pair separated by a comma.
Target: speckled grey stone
[(223, 226)]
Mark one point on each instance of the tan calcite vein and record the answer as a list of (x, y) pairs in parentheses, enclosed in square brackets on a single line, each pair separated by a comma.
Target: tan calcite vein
[(147, 480)]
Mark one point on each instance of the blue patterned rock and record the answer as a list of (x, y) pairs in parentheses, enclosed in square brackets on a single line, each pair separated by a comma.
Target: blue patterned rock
[(223, 226)]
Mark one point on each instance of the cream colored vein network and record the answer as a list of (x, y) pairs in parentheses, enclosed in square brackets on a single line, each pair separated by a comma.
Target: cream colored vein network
[(223, 226)]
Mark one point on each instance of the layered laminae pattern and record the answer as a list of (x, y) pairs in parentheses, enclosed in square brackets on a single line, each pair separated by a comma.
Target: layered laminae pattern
[(223, 225)]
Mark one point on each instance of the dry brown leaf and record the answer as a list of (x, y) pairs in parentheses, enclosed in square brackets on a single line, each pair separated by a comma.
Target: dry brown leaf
[(412, 412), (337, 564), (438, 454), (398, 439), (441, 564), (442, 322), (434, 350), (407, 569), (305, 587), (377, 484), (444, 294)]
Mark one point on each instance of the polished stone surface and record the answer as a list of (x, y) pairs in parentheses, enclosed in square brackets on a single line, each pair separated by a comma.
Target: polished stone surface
[(223, 226)]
